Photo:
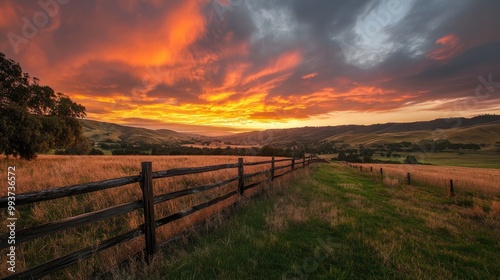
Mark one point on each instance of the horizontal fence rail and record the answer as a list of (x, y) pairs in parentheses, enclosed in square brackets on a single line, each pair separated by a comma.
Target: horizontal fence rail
[(147, 203), (38, 196), (190, 171), (68, 223)]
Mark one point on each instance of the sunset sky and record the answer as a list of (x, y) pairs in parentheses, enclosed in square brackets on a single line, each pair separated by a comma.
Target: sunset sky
[(223, 66)]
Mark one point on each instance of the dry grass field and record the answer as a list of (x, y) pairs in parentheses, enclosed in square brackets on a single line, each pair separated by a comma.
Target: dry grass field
[(474, 180), (49, 172)]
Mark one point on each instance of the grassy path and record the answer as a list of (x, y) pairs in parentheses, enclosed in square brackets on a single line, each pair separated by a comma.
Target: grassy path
[(333, 223)]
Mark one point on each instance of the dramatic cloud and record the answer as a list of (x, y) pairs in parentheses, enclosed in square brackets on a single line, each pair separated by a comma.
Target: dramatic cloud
[(239, 64)]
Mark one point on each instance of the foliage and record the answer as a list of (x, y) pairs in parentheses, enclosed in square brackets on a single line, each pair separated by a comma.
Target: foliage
[(429, 145), (411, 159), (33, 118), (353, 155), (123, 152), (281, 152), (176, 149), (81, 146), (96, 152)]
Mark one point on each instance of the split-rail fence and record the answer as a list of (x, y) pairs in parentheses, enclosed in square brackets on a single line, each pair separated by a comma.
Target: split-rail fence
[(149, 199)]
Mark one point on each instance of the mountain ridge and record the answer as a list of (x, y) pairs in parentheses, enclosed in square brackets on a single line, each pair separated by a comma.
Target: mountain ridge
[(435, 128), (485, 128)]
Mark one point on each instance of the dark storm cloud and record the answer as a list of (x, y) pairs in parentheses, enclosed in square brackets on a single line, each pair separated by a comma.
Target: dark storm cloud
[(405, 67), (325, 18), (480, 59), (473, 23)]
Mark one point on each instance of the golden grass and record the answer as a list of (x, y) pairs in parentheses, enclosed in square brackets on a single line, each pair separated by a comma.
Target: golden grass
[(283, 212), (290, 208), (48, 172), (484, 180), (350, 185), (495, 209)]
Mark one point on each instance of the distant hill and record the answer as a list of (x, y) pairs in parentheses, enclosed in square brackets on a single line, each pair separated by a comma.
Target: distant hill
[(110, 132), (481, 129)]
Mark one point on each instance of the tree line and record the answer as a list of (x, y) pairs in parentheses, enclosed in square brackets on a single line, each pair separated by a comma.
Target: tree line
[(162, 149)]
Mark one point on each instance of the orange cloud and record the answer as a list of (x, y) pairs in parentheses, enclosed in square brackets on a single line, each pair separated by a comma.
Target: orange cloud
[(309, 76), (374, 95), (216, 97), (448, 47), (235, 75), (247, 110), (149, 43), (218, 110), (286, 61), (8, 14)]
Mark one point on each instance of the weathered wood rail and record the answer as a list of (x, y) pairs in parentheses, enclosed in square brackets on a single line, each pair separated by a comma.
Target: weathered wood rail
[(149, 199)]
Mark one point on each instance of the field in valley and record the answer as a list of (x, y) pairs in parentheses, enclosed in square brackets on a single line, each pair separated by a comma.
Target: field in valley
[(478, 159), (326, 221), (481, 159)]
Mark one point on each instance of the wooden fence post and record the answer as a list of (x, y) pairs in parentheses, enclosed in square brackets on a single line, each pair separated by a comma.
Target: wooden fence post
[(149, 213), (272, 169), (381, 173), (361, 168), (408, 178), (452, 189), (293, 164), (241, 182), (371, 168)]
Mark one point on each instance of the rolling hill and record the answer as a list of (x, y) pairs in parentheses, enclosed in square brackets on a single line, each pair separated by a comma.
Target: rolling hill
[(110, 132), (481, 129)]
